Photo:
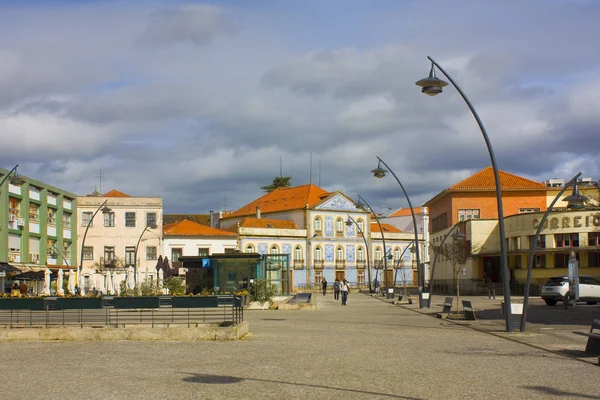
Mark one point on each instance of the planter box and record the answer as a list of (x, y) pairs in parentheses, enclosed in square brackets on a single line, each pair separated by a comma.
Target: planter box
[(79, 303), (136, 302), (194, 302), (22, 304)]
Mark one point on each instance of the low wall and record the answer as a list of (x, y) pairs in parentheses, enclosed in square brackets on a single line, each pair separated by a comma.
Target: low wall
[(167, 332)]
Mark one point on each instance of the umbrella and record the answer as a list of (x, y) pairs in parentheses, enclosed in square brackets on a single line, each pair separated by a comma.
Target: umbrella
[(71, 282), (167, 267), (59, 283), (114, 283), (130, 277), (160, 277), (46, 289)]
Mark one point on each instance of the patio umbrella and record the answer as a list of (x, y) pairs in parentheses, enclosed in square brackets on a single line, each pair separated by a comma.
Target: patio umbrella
[(115, 283), (167, 267), (59, 283), (71, 281), (130, 273), (46, 289), (160, 278)]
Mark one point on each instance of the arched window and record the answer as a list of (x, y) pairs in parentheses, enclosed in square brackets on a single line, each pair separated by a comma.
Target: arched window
[(339, 254), (274, 249), (360, 225), (396, 253), (339, 226), (378, 254), (360, 254), (318, 224), (298, 253), (249, 249), (318, 254)]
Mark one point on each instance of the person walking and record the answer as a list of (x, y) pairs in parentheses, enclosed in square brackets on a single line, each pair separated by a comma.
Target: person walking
[(324, 286), (491, 287), (336, 290), (345, 289)]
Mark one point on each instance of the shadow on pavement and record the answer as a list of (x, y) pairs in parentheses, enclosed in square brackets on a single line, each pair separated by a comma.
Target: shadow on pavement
[(558, 392), (226, 380)]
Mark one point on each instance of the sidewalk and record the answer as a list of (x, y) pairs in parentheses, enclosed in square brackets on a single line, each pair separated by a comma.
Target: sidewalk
[(548, 328)]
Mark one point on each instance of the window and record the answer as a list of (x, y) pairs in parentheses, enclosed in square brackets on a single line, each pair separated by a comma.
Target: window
[(51, 216), (378, 254), (594, 259), (464, 214), (249, 249), (361, 226), (88, 253), (67, 250), (318, 224), (360, 254), (130, 219), (318, 278), (176, 253), (318, 254), (561, 260), (274, 249), (66, 220), (109, 219), (339, 254), (203, 251), (109, 253), (339, 226), (541, 242), (528, 210), (594, 239), (360, 278), (298, 254), (34, 214), (539, 261), (567, 240), (397, 253), (130, 255), (151, 219), (151, 253), (86, 218)]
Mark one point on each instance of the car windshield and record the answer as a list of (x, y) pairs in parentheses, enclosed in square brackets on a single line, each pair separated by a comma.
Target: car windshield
[(556, 279)]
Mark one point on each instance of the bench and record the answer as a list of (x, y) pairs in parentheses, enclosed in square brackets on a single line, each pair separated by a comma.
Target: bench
[(448, 305), (593, 344), (469, 311)]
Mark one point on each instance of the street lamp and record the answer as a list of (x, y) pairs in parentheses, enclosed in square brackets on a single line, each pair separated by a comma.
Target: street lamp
[(16, 175), (349, 222), (57, 252), (457, 235), (361, 205), (150, 225), (105, 210), (433, 86), (575, 201), (379, 173)]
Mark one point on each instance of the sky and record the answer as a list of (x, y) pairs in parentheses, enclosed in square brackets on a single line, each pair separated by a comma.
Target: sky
[(201, 103)]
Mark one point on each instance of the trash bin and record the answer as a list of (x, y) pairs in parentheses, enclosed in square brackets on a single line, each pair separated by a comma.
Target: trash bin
[(390, 293)]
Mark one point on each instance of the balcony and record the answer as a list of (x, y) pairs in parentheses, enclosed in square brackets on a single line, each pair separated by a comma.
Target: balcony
[(340, 264), (361, 264), (319, 264), (378, 264), (298, 263), (34, 217)]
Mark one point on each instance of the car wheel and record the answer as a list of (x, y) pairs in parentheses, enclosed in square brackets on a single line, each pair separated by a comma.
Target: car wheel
[(591, 303), (550, 302)]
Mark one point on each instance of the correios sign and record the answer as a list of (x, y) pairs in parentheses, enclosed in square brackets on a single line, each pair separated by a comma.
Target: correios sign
[(566, 222)]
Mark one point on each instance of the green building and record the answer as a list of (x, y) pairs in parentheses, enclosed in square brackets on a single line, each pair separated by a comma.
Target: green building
[(37, 230)]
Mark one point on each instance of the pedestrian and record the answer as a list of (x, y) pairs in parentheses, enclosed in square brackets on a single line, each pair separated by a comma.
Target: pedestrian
[(491, 287), (336, 290), (23, 288), (324, 286), (345, 289), (77, 291), (15, 292)]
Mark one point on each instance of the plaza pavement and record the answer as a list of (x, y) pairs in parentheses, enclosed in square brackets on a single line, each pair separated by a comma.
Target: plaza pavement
[(369, 349)]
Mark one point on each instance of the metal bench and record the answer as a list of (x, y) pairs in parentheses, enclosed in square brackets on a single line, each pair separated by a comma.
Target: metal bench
[(448, 305), (469, 311), (593, 344)]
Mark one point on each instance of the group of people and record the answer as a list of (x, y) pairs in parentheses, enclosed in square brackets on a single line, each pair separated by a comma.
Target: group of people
[(18, 290), (342, 287)]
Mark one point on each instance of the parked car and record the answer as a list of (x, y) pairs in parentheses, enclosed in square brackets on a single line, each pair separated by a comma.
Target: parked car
[(555, 289)]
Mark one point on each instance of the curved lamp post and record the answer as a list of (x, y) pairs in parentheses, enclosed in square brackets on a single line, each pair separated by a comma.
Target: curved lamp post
[(57, 252), (385, 277), (379, 173), (408, 246), (105, 210), (457, 235), (349, 222), (575, 201), (14, 170), (148, 225), (433, 86)]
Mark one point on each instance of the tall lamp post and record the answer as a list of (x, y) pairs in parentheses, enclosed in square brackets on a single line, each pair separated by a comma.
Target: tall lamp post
[(379, 173), (349, 222), (433, 86), (105, 210), (575, 201), (435, 257), (385, 277), (148, 225)]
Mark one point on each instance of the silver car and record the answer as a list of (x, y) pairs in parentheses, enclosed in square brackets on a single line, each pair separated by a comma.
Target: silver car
[(555, 289)]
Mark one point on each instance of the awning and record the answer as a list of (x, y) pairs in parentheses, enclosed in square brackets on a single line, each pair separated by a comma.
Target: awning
[(4, 267), (29, 276)]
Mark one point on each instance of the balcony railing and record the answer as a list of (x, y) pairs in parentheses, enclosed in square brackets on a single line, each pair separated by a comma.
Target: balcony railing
[(298, 263), (319, 264), (361, 264), (340, 264)]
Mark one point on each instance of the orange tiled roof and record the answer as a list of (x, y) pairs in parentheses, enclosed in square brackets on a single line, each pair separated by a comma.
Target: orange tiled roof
[(484, 180), (387, 228), (268, 223), (115, 193), (189, 228), (403, 212), (283, 199)]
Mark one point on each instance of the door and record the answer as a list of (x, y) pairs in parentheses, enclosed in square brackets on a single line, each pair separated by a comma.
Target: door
[(340, 275), (390, 278)]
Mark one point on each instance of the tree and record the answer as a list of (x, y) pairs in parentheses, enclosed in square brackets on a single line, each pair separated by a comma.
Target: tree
[(457, 253), (278, 181)]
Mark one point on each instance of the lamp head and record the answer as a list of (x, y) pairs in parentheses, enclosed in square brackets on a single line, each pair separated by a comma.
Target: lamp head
[(348, 222), (431, 85), (379, 172), (575, 201), (458, 236), (16, 179), (106, 210), (152, 226)]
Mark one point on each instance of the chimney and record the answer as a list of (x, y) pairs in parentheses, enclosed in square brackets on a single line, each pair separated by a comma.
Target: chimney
[(212, 219), (258, 212)]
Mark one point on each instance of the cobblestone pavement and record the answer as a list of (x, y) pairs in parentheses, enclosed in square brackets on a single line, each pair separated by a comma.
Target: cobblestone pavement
[(369, 349)]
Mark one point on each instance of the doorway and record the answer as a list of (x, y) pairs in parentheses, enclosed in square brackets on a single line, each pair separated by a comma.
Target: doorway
[(340, 275)]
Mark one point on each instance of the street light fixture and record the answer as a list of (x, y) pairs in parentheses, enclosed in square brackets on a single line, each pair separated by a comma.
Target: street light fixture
[(349, 222), (379, 173), (575, 201), (433, 86), (12, 171), (57, 252), (105, 210), (148, 225), (362, 206)]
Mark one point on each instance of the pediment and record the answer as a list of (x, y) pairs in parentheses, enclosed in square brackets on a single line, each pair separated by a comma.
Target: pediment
[(337, 202)]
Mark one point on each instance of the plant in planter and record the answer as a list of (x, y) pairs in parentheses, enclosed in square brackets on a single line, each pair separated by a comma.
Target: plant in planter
[(150, 287), (262, 291), (175, 285)]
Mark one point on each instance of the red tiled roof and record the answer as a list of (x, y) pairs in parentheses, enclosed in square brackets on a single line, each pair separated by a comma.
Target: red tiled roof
[(115, 193), (387, 228), (403, 212), (268, 223), (189, 228), (283, 199), (484, 180)]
